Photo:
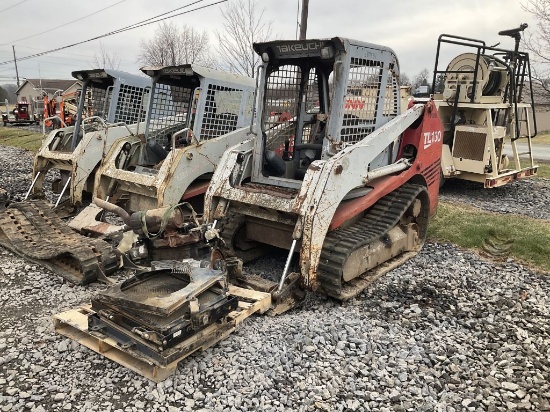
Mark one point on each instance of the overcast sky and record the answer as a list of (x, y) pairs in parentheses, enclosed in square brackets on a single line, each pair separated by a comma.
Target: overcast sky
[(410, 27)]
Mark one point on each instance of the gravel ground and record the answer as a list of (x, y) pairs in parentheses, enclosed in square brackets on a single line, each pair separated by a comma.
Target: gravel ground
[(16, 173), (15, 170), (528, 197), (447, 331)]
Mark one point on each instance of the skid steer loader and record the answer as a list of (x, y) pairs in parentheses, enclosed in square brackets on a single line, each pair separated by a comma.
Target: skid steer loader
[(158, 168), (110, 107), (356, 180), (483, 110), (194, 115), (333, 170)]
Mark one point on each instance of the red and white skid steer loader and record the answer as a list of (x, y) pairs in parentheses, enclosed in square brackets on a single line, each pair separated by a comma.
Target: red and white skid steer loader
[(353, 188), (333, 170)]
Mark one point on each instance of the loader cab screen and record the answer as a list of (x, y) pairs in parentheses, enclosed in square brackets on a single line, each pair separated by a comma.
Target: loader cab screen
[(294, 117)]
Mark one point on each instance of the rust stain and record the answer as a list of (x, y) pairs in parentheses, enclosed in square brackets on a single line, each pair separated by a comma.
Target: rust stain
[(284, 192), (101, 228)]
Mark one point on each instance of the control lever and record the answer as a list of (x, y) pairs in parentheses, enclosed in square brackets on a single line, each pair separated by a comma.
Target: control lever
[(513, 32)]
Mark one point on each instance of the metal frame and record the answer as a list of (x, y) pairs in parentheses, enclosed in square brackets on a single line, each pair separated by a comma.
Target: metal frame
[(509, 112), (304, 209), (517, 78)]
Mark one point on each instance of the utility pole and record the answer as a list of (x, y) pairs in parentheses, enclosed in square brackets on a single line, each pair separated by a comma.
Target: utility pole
[(303, 21), (15, 61)]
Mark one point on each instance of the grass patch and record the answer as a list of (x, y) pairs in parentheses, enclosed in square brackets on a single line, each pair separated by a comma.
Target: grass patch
[(24, 139), (471, 228), (542, 138), (544, 167), (544, 170)]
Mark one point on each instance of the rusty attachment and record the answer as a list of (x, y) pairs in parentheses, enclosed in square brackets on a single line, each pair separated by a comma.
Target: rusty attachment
[(152, 223)]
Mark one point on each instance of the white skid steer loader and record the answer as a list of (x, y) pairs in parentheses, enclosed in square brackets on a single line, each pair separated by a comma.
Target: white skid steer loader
[(194, 115), (110, 107)]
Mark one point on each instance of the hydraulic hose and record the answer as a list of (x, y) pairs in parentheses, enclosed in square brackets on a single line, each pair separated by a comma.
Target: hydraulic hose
[(114, 209)]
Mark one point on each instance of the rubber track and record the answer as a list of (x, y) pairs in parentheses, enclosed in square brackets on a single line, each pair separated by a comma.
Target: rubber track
[(339, 244), (33, 230)]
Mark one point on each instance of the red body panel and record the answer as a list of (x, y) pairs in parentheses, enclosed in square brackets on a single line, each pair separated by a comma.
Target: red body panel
[(195, 189), (427, 138)]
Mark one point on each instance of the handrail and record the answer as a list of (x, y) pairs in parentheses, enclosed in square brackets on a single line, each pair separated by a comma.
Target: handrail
[(95, 118), (182, 131), (120, 124), (255, 96)]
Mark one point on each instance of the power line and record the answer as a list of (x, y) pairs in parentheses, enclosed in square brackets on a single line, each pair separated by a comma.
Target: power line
[(38, 48), (131, 27), (87, 56), (65, 24), (11, 7), (60, 59), (59, 56)]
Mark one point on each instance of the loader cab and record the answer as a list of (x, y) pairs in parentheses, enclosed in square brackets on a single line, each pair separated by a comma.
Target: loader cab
[(190, 104), (107, 96), (326, 95), (193, 115), (112, 95)]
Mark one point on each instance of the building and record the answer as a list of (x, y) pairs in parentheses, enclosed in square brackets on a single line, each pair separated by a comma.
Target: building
[(542, 105)]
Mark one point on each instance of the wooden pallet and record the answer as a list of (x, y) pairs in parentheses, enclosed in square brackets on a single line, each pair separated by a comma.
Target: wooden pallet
[(74, 325)]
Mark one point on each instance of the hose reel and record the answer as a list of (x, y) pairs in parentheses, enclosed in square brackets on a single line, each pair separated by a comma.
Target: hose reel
[(491, 80)]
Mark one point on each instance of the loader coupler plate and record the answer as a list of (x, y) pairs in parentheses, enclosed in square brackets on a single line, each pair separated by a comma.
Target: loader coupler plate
[(74, 324), (165, 291), (34, 231), (155, 310)]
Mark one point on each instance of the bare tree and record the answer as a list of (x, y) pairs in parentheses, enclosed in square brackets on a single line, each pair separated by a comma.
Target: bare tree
[(421, 79), (173, 45), (10, 89), (538, 43), (404, 79), (3, 96), (243, 25), (104, 60)]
